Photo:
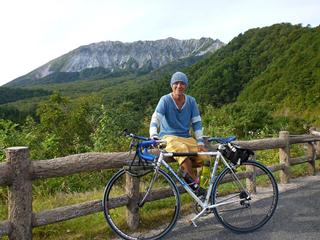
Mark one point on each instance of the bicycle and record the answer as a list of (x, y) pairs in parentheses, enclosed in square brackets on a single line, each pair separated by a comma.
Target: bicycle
[(242, 201)]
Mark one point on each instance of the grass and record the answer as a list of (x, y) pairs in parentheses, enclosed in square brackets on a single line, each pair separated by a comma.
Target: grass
[(92, 226), (88, 227)]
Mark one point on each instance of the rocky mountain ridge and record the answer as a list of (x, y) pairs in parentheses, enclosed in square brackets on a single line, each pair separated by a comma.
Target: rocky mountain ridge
[(116, 56)]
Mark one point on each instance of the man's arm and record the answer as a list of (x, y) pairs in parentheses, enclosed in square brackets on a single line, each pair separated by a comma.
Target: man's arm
[(154, 125), (197, 124), (156, 119)]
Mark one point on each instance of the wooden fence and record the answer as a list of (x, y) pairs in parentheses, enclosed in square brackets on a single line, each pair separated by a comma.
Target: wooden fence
[(18, 172)]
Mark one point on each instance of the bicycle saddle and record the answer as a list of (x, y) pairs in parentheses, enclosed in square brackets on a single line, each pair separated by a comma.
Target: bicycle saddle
[(222, 140)]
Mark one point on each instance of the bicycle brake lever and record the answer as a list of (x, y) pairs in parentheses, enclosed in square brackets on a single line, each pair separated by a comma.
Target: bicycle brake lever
[(125, 132)]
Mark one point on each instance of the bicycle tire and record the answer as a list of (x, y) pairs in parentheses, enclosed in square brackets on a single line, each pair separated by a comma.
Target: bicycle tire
[(244, 216), (156, 218)]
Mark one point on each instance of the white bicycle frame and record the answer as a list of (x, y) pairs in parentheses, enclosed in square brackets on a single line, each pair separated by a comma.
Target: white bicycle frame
[(205, 205)]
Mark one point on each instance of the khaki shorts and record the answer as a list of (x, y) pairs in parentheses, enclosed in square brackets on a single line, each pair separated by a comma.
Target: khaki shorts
[(181, 144)]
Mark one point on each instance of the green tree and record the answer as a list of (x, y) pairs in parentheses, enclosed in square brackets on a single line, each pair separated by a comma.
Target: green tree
[(241, 120), (113, 120), (9, 136)]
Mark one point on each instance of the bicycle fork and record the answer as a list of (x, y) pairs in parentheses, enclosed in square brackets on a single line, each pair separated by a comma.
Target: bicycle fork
[(142, 202)]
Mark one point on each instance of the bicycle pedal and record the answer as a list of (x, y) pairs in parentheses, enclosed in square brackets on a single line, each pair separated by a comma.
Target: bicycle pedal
[(193, 223)]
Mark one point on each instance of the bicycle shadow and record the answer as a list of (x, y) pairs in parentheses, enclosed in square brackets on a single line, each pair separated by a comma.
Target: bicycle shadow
[(296, 217)]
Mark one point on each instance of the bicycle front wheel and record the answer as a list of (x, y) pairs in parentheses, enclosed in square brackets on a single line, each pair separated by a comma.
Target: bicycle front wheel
[(141, 205), (247, 199)]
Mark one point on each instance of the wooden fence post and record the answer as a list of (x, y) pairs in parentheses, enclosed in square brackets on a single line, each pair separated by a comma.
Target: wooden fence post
[(316, 144), (311, 155), (132, 190), (251, 181), (20, 194), (284, 156)]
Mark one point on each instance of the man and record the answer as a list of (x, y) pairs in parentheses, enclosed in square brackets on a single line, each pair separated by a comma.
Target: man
[(175, 113)]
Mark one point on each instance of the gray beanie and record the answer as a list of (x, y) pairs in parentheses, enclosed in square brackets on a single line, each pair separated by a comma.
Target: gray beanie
[(179, 76)]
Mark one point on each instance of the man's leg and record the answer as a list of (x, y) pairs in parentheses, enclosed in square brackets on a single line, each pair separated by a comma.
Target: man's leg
[(178, 144), (186, 166)]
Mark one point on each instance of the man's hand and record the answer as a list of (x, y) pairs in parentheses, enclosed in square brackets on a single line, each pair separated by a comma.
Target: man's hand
[(202, 148), (155, 138)]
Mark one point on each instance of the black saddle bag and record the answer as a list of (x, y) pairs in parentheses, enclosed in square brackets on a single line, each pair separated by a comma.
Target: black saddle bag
[(236, 154)]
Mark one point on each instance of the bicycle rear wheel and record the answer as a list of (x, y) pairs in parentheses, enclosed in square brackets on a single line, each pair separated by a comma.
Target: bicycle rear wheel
[(246, 204), (128, 216)]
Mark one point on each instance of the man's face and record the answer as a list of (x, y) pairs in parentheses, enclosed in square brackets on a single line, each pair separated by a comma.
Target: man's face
[(178, 88)]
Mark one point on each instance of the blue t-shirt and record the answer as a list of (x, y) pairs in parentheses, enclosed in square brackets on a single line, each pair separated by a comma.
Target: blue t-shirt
[(173, 121)]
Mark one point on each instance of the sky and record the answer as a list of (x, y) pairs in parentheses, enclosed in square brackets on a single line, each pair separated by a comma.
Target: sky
[(33, 32)]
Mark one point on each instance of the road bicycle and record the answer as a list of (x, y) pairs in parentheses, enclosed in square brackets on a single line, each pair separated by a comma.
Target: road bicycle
[(143, 199)]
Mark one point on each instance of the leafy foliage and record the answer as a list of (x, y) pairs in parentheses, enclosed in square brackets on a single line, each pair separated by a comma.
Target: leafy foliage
[(112, 121), (238, 119), (9, 135)]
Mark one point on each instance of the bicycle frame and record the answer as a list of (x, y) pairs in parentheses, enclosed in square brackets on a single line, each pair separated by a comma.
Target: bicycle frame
[(204, 204), (159, 161)]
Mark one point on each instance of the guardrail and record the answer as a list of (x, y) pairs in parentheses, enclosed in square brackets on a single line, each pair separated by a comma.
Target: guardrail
[(18, 173)]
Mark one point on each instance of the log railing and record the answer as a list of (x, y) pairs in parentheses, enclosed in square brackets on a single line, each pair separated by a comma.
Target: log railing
[(18, 172)]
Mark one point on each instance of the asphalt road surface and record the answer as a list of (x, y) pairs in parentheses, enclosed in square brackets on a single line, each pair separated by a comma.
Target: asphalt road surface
[(297, 217)]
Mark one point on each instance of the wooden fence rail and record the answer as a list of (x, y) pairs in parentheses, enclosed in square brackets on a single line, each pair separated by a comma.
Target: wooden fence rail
[(18, 172)]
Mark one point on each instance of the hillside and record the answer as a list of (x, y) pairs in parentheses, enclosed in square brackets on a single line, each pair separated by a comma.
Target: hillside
[(292, 80), (276, 65)]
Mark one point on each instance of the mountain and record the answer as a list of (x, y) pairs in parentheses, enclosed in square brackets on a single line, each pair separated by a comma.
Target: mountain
[(115, 58)]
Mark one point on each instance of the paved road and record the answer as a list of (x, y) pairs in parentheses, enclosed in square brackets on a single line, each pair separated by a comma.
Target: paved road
[(297, 217)]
